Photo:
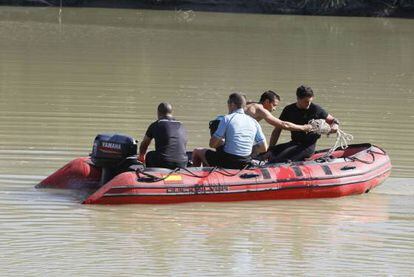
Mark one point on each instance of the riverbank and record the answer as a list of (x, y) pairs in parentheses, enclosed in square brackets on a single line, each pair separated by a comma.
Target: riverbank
[(373, 8)]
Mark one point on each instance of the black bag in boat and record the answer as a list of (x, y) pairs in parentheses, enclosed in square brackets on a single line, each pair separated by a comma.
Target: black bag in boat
[(213, 124)]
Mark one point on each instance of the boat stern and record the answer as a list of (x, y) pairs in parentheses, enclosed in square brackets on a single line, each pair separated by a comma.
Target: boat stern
[(77, 174)]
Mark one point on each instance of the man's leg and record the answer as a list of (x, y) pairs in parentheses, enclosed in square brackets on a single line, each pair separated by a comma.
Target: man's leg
[(282, 152), (199, 157), (300, 153), (291, 152), (151, 159), (233, 161)]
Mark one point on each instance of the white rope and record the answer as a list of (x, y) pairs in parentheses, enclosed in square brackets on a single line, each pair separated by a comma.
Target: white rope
[(320, 126)]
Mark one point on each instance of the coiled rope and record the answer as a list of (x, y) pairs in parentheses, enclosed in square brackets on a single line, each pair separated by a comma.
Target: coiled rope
[(321, 127)]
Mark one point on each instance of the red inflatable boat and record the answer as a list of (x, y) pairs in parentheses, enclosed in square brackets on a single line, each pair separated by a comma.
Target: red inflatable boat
[(355, 170)]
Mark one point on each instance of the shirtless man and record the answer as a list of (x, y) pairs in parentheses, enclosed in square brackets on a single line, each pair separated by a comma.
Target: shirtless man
[(268, 102)]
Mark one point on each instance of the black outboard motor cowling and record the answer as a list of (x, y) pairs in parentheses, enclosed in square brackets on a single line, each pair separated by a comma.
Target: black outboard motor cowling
[(114, 153)]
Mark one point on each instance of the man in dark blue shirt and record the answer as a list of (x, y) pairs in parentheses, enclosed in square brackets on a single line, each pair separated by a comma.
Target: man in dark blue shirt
[(170, 141), (302, 145)]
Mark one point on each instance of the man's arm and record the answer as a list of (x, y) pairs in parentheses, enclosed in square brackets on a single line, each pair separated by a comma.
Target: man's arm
[(143, 147), (260, 139), (216, 142), (275, 136), (333, 122), (261, 147), (284, 125)]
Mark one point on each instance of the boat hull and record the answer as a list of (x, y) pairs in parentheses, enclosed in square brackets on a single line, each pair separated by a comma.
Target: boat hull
[(354, 172), (277, 194)]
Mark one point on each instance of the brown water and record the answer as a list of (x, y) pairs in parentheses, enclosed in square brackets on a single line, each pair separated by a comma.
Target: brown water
[(63, 79)]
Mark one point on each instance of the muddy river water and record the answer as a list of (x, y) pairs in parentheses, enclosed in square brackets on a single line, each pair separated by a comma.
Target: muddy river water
[(65, 77)]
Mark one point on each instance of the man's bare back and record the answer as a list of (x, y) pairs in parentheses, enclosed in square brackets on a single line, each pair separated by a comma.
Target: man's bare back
[(256, 110), (262, 110)]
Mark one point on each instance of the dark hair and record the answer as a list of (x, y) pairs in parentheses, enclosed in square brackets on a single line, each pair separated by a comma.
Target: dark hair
[(164, 108), (237, 99), (271, 95), (304, 92)]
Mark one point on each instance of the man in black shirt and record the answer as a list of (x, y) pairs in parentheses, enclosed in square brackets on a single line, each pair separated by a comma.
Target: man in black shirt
[(170, 141), (302, 145)]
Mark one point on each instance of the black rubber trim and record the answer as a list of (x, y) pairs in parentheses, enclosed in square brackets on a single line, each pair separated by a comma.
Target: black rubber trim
[(249, 175), (297, 170), (266, 174), (326, 169)]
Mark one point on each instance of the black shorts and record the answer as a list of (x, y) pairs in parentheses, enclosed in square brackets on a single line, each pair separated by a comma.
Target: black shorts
[(290, 151), (153, 159), (226, 160)]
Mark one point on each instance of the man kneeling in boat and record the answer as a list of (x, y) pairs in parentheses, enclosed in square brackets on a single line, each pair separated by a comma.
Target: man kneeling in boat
[(302, 145), (267, 104), (234, 138), (170, 141)]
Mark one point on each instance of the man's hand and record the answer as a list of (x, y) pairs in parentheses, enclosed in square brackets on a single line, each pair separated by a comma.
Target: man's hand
[(333, 123), (307, 128), (141, 158), (216, 142), (334, 128)]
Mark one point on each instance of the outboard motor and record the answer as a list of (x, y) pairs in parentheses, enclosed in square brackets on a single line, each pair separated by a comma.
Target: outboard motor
[(115, 153)]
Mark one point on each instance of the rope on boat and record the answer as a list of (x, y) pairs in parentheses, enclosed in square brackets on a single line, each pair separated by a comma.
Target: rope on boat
[(222, 171), (321, 127), (199, 176), (363, 161), (154, 178), (228, 174)]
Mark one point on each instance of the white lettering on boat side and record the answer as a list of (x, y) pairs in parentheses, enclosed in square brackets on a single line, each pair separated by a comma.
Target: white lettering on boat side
[(111, 145)]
